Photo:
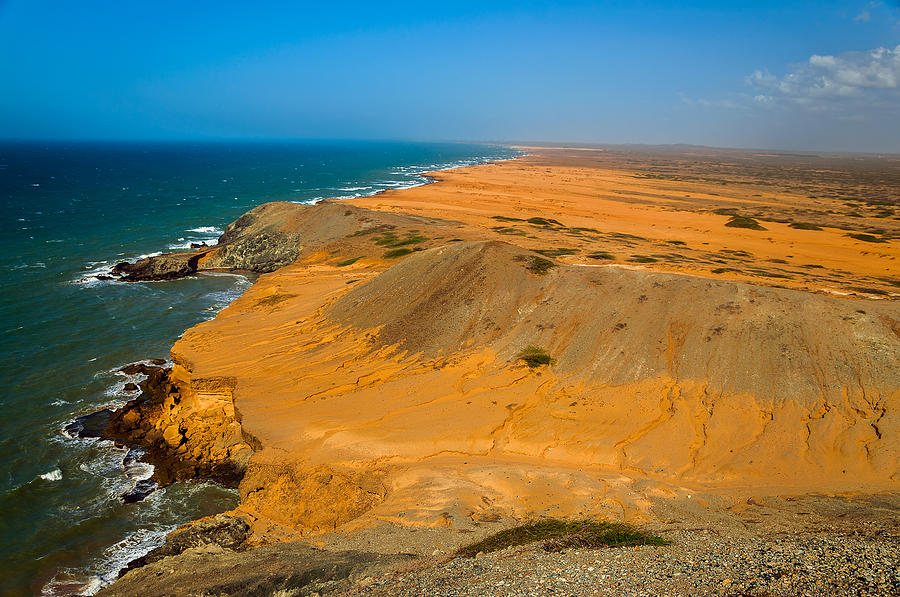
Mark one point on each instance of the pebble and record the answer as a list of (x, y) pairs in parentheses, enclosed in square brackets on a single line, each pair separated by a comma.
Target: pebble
[(695, 564)]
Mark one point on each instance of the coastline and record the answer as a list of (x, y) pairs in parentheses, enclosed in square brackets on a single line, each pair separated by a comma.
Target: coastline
[(302, 284), (147, 484)]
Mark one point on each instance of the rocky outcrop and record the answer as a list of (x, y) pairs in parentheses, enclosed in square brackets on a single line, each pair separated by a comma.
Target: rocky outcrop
[(170, 266), (188, 428), (222, 530), (282, 569), (261, 240)]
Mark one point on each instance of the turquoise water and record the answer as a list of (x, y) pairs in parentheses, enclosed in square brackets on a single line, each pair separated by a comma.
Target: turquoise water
[(71, 211)]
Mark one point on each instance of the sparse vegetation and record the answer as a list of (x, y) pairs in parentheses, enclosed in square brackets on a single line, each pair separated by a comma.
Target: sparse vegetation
[(557, 535), (543, 222), (509, 230), (391, 240), (804, 226), (347, 262), (535, 356), (373, 230), (643, 259), (676, 242), (744, 222), (507, 219), (556, 252), (538, 265), (866, 237), (601, 255), (394, 253)]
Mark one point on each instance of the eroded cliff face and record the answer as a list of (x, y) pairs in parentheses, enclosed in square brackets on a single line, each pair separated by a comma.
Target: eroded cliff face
[(187, 425), (397, 395)]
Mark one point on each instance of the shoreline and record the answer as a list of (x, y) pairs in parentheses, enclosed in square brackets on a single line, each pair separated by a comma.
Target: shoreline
[(140, 492), (328, 266)]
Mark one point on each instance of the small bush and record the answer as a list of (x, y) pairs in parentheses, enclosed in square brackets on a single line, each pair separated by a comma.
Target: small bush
[(643, 259), (373, 230), (561, 534), (744, 222), (509, 230), (394, 253), (347, 262), (867, 238), (539, 265), (601, 255), (803, 226), (535, 356), (543, 222), (507, 219), (556, 252)]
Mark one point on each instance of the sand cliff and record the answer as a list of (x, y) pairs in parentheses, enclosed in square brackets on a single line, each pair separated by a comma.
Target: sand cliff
[(349, 391)]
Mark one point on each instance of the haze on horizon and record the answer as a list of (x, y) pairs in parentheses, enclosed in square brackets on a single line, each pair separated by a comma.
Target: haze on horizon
[(777, 74)]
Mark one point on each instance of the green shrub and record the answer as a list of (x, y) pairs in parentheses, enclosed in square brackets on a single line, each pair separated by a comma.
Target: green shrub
[(556, 252), (601, 255), (867, 238), (393, 253), (643, 259), (535, 356), (347, 262), (557, 535), (744, 222), (539, 265), (543, 222), (803, 226)]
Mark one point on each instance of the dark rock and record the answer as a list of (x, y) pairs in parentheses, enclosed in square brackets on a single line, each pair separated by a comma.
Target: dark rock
[(130, 387), (142, 489), (170, 266), (104, 277), (225, 531), (91, 425), (158, 362), (135, 368), (198, 245)]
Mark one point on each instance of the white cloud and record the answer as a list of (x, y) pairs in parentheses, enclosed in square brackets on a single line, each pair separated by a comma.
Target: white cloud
[(853, 77), (863, 17)]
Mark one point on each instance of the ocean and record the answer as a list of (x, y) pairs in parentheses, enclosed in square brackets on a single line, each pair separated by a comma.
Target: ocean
[(70, 212)]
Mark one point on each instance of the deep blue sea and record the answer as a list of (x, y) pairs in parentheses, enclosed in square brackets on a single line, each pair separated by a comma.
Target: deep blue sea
[(71, 211)]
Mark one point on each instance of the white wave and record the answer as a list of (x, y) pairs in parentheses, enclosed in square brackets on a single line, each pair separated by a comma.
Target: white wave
[(352, 188), (105, 570), (187, 244), (206, 230), (54, 475)]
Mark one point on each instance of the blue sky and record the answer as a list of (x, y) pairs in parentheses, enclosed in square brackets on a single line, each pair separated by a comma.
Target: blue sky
[(794, 75)]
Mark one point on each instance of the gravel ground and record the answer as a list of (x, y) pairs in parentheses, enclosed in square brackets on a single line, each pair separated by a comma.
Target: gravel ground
[(698, 562)]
